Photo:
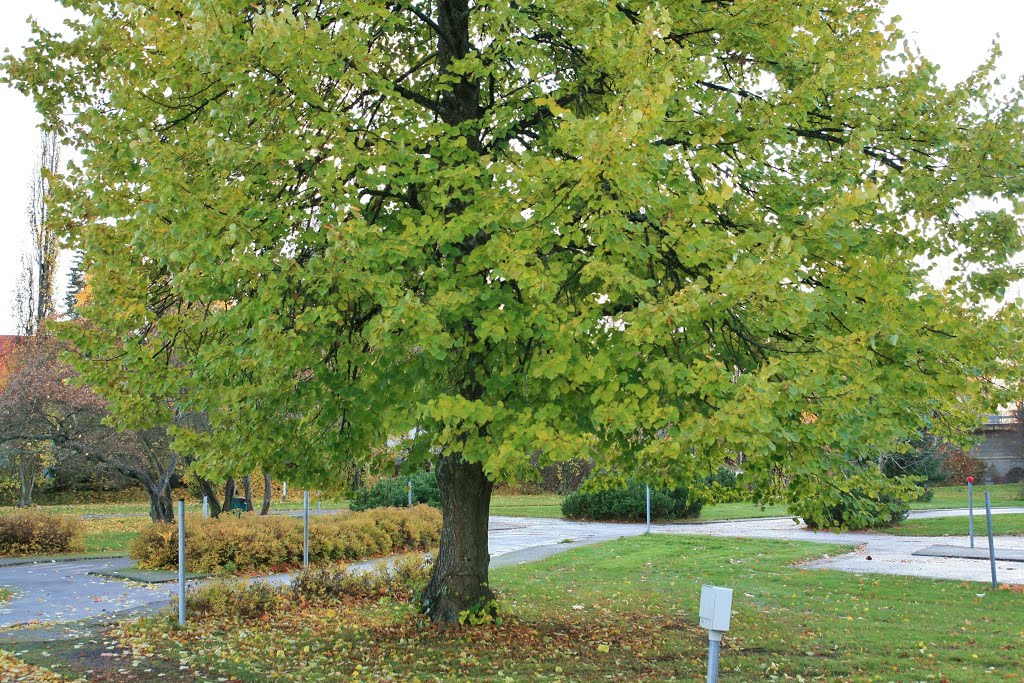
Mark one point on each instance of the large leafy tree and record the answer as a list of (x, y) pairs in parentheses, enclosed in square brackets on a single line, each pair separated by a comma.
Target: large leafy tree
[(660, 234)]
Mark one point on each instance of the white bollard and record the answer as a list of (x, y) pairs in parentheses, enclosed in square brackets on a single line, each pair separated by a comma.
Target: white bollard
[(284, 490), (181, 562), (206, 507), (410, 493)]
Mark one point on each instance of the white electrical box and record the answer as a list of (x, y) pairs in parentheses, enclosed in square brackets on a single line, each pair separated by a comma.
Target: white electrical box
[(715, 608)]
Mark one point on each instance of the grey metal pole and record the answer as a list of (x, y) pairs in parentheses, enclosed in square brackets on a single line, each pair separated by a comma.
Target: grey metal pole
[(305, 529), (284, 490), (970, 509), (991, 542), (206, 507), (714, 647), (410, 493), (318, 506), (181, 562), (648, 509)]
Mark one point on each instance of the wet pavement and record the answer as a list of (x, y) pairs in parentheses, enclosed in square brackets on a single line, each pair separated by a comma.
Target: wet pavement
[(59, 592)]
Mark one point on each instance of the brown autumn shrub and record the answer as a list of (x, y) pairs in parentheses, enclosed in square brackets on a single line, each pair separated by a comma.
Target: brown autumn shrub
[(241, 543), (31, 532), (958, 466)]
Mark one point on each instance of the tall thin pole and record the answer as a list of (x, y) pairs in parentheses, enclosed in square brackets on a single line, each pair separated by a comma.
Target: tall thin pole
[(206, 507), (410, 493), (991, 542), (714, 648), (181, 562), (305, 529), (648, 509), (970, 508)]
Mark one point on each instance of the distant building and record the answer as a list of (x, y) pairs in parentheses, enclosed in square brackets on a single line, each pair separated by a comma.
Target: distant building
[(1001, 448)]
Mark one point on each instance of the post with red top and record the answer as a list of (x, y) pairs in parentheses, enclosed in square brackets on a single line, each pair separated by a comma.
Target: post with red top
[(970, 507)]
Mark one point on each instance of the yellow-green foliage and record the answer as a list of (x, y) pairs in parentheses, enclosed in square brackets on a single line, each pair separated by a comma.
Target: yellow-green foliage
[(403, 579), (233, 599), (30, 532), (249, 542)]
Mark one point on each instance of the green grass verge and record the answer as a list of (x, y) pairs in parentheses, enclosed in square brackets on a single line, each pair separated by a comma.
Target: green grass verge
[(527, 505), (1003, 496), (1002, 525), (627, 611), (5, 595)]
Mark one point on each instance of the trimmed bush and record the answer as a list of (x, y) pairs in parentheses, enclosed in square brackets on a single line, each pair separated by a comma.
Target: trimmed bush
[(630, 503), (860, 503), (234, 599), (30, 532), (394, 492), (233, 543), (404, 579), (723, 487)]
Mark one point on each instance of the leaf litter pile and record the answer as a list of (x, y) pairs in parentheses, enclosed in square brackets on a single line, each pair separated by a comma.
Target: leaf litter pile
[(621, 611)]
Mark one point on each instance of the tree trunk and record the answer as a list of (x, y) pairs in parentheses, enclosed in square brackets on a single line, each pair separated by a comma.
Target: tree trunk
[(161, 507), (27, 474), (265, 508), (247, 488), (459, 581), (229, 493), (208, 490)]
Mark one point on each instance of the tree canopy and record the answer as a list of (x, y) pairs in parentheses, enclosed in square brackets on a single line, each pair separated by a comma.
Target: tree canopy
[(658, 234)]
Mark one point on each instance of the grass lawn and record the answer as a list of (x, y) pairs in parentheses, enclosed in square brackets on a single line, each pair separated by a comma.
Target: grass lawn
[(1002, 525), (626, 611), (5, 595), (112, 534), (545, 505), (1003, 496)]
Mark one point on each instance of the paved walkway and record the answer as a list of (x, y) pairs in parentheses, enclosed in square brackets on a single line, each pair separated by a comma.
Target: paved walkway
[(59, 592)]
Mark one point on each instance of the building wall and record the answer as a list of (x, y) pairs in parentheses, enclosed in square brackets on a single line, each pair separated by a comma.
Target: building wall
[(1000, 449)]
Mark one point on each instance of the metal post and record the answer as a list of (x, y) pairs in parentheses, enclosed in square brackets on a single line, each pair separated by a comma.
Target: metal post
[(284, 490), (181, 562), (714, 647), (970, 508), (318, 506), (305, 529), (648, 509), (410, 493), (991, 542), (206, 507)]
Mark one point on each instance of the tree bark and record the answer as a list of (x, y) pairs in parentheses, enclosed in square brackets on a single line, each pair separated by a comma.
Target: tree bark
[(27, 474), (229, 493), (265, 508), (161, 507), (247, 489), (459, 581), (208, 490)]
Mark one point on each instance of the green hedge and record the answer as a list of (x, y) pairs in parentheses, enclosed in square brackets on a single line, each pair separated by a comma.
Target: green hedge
[(629, 503), (856, 503), (394, 492)]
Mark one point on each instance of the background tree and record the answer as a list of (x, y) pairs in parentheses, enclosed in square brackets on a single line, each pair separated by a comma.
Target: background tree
[(655, 234), (43, 412), (37, 284)]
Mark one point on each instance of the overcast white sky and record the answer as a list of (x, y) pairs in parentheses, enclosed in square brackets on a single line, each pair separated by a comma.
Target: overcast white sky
[(954, 33)]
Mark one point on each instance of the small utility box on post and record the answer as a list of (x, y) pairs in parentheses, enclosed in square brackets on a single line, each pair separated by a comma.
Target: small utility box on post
[(715, 612)]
